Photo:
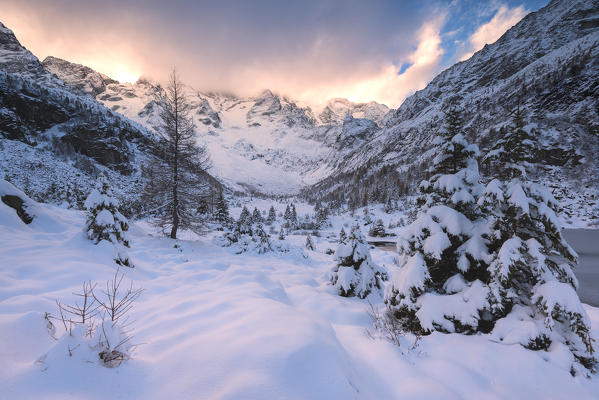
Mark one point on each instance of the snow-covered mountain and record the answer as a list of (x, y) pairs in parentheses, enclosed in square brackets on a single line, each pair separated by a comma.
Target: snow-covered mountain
[(337, 109), (266, 143), (547, 65)]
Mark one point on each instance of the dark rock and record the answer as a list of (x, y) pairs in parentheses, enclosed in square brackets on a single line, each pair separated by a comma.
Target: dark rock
[(18, 204)]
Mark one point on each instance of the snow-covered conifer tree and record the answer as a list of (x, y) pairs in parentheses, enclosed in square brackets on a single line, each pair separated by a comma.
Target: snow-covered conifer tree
[(530, 274), (244, 223), (443, 252), (105, 222), (222, 210), (355, 273), (256, 216), (272, 216), (262, 239), (292, 216), (322, 215)]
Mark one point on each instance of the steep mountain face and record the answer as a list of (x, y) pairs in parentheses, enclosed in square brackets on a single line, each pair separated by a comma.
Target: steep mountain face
[(546, 66)]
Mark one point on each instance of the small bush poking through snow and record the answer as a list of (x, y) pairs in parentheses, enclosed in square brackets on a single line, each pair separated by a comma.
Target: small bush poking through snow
[(97, 326), (355, 273), (105, 222)]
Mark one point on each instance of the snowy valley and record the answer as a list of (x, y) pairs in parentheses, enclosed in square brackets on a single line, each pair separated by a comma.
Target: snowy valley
[(208, 245)]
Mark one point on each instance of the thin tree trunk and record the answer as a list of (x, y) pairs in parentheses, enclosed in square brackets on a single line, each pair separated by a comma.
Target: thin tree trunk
[(176, 171)]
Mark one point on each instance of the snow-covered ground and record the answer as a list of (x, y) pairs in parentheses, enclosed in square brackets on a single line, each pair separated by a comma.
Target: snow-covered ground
[(215, 325)]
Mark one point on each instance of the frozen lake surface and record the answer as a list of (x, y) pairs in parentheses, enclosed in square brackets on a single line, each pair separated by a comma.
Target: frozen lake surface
[(586, 244)]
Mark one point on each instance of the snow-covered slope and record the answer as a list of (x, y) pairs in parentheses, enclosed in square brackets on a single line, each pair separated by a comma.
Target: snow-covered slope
[(547, 65), (214, 325)]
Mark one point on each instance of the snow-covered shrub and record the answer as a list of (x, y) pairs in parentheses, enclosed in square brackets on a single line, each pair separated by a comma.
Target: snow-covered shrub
[(96, 329), (355, 273), (105, 222), (378, 229)]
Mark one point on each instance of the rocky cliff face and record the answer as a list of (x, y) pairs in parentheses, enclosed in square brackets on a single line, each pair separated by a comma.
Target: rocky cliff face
[(78, 76), (15, 58)]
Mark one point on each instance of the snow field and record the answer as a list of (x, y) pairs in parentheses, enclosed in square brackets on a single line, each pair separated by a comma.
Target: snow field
[(211, 324)]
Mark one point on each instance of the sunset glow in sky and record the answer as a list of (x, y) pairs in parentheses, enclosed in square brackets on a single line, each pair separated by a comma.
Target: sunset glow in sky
[(309, 50)]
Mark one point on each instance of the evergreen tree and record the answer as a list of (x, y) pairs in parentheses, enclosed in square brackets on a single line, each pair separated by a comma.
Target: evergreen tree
[(443, 251), (524, 274), (262, 239), (309, 244), (256, 216), (512, 155), (486, 260), (272, 216), (203, 207), (389, 206), (287, 215), (293, 216), (244, 223), (222, 210), (105, 222), (355, 273), (282, 234), (322, 215)]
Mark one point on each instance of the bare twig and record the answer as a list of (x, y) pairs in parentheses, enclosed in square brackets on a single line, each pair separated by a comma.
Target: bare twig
[(118, 303)]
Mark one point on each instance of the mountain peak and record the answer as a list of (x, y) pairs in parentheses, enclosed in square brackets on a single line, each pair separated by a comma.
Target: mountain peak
[(79, 76), (14, 57)]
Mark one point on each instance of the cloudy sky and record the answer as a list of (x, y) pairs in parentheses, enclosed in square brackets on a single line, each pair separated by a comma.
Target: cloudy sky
[(310, 50)]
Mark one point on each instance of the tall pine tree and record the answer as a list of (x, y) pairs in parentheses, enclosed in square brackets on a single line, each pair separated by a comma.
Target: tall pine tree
[(443, 251)]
